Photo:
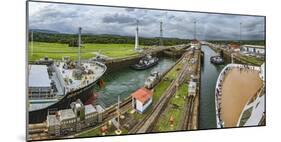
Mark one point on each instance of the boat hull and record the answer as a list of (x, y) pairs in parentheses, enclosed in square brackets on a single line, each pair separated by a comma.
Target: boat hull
[(40, 115)]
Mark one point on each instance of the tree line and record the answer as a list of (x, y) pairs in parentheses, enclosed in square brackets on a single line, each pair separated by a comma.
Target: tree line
[(71, 39), (242, 42)]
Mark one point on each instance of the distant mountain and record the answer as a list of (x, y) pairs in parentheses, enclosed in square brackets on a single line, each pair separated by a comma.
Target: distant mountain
[(44, 31)]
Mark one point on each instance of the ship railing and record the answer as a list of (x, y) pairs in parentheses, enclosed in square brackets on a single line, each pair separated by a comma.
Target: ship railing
[(218, 89), (59, 76)]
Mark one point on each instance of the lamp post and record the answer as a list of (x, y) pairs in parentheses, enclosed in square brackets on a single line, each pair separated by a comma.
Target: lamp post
[(118, 131), (240, 34)]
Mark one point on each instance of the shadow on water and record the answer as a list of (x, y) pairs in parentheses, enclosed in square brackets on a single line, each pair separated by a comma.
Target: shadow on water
[(209, 75), (127, 80)]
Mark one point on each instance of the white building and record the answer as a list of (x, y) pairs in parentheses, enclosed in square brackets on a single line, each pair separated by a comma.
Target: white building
[(195, 44), (255, 49), (141, 99), (235, 47)]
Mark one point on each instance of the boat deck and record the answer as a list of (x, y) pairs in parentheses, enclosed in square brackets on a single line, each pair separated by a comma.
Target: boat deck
[(237, 88), (61, 78), (86, 78)]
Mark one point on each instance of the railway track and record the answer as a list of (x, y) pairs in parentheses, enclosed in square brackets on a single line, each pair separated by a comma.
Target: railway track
[(187, 117), (147, 123), (39, 131)]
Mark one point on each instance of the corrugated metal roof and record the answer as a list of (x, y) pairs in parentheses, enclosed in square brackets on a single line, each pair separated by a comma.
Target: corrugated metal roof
[(38, 76)]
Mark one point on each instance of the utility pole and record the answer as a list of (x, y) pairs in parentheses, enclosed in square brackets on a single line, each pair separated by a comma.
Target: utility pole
[(161, 34), (195, 30), (240, 34)]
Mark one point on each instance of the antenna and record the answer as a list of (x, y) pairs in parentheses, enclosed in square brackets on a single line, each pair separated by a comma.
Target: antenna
[(161, 34), (79, 46)]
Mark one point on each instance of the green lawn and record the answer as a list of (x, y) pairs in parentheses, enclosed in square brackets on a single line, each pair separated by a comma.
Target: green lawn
[(172, 74), (58, 50), (97, 132), (252, 60), (91, 133)]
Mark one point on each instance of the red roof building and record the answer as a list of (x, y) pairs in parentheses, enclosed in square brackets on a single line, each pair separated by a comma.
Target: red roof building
[(234, 46), (141, 99)]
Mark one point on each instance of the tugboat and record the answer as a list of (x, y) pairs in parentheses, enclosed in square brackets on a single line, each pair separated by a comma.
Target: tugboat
[(152, 80), (145, 63), (218, 59)]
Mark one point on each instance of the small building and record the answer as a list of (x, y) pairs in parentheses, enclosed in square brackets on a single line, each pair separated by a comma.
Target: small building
[(254, 49), (53, 125), (67, 120), (39, 82), (79, 110), (101, 112), (75, 119), (234, 47), (192, 88), (195, 44), (90, 115), (141, 99)]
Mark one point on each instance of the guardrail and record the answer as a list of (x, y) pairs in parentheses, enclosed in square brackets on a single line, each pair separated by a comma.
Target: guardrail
[(218, 89)]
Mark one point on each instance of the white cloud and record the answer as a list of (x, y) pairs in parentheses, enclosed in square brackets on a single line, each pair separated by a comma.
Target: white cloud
[(114, 20)]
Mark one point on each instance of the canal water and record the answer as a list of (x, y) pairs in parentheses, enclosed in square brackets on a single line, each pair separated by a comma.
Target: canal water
[(209, 75), (126, 81)]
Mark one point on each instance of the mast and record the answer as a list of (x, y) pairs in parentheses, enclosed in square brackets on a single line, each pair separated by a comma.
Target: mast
[(79, 46), (31, 44)]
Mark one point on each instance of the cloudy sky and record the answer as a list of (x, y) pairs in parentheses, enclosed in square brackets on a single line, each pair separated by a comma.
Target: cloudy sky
[(67, 18)]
